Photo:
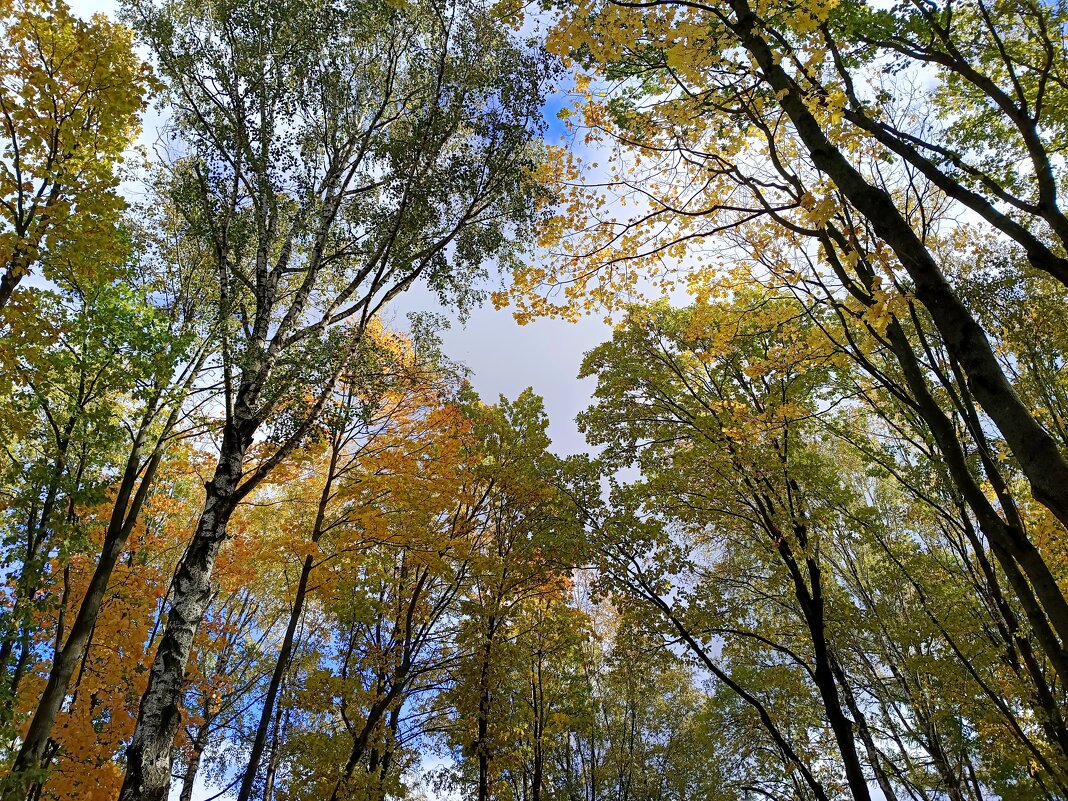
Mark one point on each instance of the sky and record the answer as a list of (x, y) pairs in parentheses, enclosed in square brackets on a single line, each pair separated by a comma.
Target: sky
[(506, 358)]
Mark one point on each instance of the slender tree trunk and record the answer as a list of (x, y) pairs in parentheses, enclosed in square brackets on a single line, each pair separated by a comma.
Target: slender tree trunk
[(810, 599), (67, 657), (538, 700), (281, 665), (594, 773), (380, 758), (281, 726), (1010, 545), (806, 576), (1036, 451), (192, 765), (840, 726), (26, 585), (482, 750), (875, 761), (806, 777), (374, 716)]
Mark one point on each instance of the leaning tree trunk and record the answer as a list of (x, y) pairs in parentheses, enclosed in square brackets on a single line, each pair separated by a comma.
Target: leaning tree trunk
[(281, 665), (810, 599), (1039, 594), (149, 755), (68, 656), (1036, 451), (196, 754)]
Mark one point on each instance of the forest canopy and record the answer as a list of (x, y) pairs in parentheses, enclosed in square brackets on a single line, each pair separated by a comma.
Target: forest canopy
[(262, 542)]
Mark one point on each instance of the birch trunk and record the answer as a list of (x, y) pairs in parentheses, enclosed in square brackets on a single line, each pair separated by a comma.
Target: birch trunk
[(149, 755)]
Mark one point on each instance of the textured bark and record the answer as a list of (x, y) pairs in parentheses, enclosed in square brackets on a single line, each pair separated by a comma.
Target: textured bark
[(150, 753)]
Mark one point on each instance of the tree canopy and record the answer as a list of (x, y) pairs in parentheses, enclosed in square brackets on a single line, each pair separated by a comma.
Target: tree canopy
[(261, 542)]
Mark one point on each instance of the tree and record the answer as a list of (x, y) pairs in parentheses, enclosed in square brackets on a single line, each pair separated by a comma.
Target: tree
[(335, 158), (71, 95), (372, 429), (111, 394), (739, 509), (738, 123), (520, 541), (99, 707)]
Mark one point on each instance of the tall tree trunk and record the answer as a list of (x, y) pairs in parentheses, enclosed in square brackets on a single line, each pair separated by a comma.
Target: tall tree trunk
[(26, 583), (196, 754), (66, 659), (809, 596), (381, 757), (281, 665), (281, 726), (875, 761), (537, 697), (1007, 538), (149, 755), (1039, 594), (482, 749), (1036, 451)]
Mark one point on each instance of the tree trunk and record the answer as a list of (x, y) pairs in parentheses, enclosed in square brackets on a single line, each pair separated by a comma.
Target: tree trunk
[(810, 599), (1036, 451), (375, 714), (67, 657), (280, 667), (149, 755), (482, 741), (192, 765), (281, 726), (875, 761), (21, 259), (1040, 596)]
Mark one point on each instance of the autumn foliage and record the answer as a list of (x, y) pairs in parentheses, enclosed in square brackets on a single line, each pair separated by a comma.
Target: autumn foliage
[(258, 544)]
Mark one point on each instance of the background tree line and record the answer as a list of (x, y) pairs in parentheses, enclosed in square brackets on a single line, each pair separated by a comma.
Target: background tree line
[(255, 541)]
